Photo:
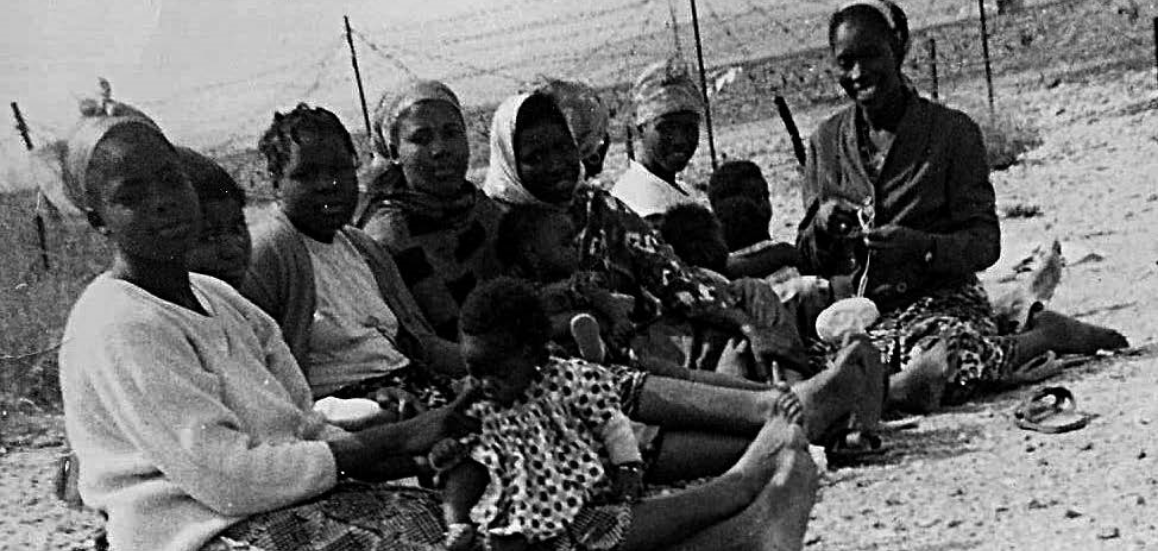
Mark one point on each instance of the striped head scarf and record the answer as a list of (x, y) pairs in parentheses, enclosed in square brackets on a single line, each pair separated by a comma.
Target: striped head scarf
[(394, 103), (586, 114), (663, 88)]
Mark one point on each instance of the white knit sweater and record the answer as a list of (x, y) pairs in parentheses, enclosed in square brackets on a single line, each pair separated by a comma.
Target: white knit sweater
[(184, 423)]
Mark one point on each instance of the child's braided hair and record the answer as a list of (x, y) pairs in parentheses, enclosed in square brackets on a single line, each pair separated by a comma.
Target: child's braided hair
[(275, 143)]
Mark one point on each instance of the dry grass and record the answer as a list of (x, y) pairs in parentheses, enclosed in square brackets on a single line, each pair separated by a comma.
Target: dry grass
[(1007, 137), (34, 301)]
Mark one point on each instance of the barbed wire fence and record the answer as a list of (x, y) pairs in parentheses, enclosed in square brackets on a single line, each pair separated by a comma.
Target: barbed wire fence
[(1037, 38), (1066, 39)]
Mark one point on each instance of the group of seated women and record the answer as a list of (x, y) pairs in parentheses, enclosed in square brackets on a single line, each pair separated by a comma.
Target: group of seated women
[(532, 348)]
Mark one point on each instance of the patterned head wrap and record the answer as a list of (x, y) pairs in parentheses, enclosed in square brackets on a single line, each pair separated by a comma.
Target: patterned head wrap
[(663, 88), (396, 102), (584, 111)]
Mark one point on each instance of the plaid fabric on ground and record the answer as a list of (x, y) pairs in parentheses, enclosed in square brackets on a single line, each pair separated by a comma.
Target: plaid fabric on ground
[(353, 516)]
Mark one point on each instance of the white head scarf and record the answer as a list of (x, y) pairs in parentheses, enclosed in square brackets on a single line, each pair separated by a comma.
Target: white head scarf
[(503, 183)]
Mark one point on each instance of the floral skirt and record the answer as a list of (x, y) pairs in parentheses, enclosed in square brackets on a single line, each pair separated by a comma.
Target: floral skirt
[(962, 318)]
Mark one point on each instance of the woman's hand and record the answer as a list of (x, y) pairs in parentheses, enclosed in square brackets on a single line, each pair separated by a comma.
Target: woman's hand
[(397, 404), (837, 217), (450, 421), (896, 244)]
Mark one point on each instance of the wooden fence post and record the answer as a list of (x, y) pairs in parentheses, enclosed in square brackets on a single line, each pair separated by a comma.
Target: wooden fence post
[(985, 53), (933, 68)]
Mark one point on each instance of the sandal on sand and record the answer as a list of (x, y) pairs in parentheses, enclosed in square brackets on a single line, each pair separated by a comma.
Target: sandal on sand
[(1050, 410), (852, 446), (899, 424)]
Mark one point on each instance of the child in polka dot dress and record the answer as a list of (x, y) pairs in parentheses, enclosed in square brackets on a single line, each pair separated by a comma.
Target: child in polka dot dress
[(555, 463)]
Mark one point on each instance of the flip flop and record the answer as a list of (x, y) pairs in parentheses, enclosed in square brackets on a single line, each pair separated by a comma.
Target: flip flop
[(1050, 410), (899, 424)]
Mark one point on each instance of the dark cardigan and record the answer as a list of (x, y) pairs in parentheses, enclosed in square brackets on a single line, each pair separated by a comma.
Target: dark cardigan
[(935, 179)]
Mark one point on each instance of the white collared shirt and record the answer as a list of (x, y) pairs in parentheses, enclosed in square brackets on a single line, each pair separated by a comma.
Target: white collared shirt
[(647, 194)]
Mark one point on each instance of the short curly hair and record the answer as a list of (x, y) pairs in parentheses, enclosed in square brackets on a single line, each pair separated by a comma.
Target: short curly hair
[(744, 223), (735, 178), (507, 307), (696, 236), (284, 130)]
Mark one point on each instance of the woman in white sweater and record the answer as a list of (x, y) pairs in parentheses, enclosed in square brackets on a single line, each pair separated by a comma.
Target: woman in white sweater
[(193, 422)]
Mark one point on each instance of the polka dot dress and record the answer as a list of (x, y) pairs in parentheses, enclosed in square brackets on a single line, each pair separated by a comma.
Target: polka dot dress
[(544, 452)]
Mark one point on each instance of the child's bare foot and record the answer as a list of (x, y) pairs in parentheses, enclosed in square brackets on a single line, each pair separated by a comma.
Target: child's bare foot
[(585, 331), (1070, 336), (920, 386)]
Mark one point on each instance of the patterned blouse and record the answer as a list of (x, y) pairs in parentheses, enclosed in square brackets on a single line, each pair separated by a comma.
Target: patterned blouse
[(616, 241), (544, 454)]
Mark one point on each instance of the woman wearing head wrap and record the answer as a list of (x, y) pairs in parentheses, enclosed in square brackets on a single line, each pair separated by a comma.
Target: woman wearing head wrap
[(419, 205), (535, 162), (898, 197), (189, 414), (668, 110)]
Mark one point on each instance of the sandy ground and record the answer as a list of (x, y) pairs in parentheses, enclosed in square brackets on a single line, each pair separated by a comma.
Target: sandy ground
[(966, 478)]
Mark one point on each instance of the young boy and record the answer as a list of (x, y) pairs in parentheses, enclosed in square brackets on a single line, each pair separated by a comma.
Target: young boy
[(697, 237), (738, 194)]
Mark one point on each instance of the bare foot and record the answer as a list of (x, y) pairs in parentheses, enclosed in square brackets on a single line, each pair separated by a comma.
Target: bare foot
[(919, 387), (759, 462), (778, 518), (864, 361), (1070, 336), (791, 494)]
